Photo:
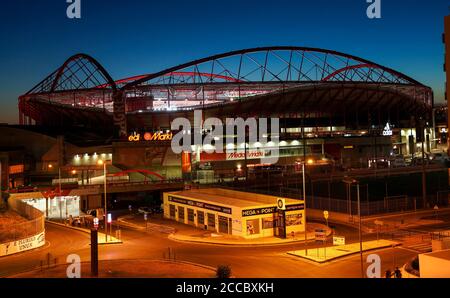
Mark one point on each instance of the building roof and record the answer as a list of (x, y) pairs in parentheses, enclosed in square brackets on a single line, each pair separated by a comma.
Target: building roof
[(442, 254), (227, 197)]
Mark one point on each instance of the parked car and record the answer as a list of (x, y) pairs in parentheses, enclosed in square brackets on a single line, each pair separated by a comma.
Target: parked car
[(144, 210), (418, 161), (398, 162), (157, 210), (439, 157), (378, 163)]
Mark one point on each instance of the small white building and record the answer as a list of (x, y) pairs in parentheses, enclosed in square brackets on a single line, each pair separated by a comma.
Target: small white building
[(244, 214), (435, 264)]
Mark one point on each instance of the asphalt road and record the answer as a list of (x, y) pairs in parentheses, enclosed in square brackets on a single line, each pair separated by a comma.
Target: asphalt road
[(245, 262)]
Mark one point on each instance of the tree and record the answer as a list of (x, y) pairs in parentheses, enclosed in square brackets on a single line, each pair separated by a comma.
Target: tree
[(223, 271)]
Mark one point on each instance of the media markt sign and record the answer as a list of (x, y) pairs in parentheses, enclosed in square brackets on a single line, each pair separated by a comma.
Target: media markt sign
[(157, 136), (387, 131)]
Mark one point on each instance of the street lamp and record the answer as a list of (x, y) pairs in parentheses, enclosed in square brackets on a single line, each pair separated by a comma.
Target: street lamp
[(351, 181), (50, 166), (103, 163), (304, 205)]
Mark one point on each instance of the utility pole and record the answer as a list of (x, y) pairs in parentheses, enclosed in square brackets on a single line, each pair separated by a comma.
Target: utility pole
[(94, 252), (304, 208), (360, 231)]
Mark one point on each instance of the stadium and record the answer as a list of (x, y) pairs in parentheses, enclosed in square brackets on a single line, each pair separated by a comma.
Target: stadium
[(330, 105)]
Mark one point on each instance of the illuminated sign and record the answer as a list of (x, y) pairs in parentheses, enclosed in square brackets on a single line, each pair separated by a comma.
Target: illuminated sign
[(387, 131), (250, 155), (148, 136), (200, 205), (16, 169), (271, 210)]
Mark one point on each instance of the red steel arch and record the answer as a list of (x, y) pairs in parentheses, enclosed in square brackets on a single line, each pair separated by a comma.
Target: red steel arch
[(79, 72), (349, 61)]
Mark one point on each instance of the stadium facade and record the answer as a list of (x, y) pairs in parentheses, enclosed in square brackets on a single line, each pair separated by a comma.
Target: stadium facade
[(333, 108)]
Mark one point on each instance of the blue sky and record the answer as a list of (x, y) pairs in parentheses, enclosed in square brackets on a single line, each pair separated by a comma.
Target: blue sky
[(136, 36)]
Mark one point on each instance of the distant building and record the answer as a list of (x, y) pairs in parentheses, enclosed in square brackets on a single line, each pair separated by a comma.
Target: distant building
[(446, 41)]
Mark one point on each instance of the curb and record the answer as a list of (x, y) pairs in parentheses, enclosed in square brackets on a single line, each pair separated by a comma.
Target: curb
[(173, 238), (118, 260), (343, 256)]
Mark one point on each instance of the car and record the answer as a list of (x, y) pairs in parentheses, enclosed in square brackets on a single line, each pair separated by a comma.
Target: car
[(439, 157), (378, 163), (157, 210), (418, 161), (99, 213), (144, 210), (398, 162)]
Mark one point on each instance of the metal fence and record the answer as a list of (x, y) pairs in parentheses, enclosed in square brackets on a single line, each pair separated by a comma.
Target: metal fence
[(34, 224), (388, 205)]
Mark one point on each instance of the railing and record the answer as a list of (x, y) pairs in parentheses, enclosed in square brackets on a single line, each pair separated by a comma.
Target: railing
[(388, 205)]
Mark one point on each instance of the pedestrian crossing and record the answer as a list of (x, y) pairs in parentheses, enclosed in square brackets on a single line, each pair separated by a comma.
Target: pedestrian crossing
[(413, 241), (419, 247)]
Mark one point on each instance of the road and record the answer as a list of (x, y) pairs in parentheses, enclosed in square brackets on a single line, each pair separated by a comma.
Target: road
[(246, 262)]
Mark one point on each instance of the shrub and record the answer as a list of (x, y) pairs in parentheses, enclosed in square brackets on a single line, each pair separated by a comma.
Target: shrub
[(223, 271)]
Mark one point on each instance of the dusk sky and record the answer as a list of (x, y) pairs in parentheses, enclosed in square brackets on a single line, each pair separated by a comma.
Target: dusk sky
[(135, 37)]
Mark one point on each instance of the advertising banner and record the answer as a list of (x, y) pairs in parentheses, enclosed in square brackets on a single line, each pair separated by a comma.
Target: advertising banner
[(17, 246)]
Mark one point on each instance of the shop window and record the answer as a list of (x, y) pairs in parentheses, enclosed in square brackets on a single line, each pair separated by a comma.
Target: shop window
[(294, 219), (223, 225), (211, 221), (269, 223), (190, 214), (172, 211), (200, 218), (252, 226), (181, 214)]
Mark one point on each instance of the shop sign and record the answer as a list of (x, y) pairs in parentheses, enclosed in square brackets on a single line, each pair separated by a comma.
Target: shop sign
[(338, 240), (253, 154), (200, 205), (148, 136), (270, 210), (387, 131)]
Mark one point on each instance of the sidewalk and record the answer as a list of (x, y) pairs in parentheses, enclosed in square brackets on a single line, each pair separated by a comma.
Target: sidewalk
[(326, 254), (185, 233), (101, 236)]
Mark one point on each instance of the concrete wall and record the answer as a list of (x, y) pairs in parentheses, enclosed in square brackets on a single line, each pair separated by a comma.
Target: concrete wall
[(434, 265)]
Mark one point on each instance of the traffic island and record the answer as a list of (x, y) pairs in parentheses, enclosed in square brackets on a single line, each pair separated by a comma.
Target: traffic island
[(329, 253), (102, 240), (129, 269)]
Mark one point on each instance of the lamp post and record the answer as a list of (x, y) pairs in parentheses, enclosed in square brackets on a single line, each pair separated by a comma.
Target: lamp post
[(350, 181), (103, 163), (304, 206)]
